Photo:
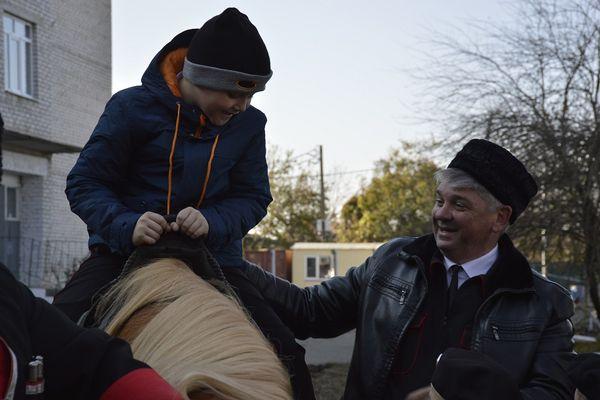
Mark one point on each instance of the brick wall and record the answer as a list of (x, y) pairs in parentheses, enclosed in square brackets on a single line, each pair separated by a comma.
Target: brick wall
[(72, 82)]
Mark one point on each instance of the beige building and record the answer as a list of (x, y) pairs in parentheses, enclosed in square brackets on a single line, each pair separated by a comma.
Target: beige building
[(313, 263)]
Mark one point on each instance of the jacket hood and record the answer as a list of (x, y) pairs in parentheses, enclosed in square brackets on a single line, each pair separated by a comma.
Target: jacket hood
[(154, 81)]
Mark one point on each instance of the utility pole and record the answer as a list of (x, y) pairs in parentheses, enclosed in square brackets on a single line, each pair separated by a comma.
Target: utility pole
[(322, 194), (544, 240), (544, 244)]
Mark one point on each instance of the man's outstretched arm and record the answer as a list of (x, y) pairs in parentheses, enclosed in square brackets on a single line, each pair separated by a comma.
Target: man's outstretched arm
[(325, 310)]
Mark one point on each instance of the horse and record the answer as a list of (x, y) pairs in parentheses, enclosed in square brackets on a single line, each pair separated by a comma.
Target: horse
[(192, 331)]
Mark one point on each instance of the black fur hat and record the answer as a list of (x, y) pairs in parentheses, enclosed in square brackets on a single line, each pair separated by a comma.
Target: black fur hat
[(468, 375), (500, 172)]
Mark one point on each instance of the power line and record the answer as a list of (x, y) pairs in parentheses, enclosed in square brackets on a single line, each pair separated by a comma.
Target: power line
[(356, 171), (308, 153)]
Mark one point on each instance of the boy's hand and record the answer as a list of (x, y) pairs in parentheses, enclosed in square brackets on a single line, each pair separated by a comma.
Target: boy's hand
[(148, 228), (191, 222)]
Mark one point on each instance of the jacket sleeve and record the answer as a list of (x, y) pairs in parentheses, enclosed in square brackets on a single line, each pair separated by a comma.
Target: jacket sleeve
[(548, 378), (78, 363), (246, 203), (325, 310), (99, 175)]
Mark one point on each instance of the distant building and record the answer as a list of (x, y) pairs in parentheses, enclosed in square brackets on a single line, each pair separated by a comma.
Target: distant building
[(56, 72), (313, 263)]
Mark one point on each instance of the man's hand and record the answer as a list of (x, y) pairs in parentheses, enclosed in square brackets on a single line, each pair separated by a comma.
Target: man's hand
[(148, 229), (191, 222)]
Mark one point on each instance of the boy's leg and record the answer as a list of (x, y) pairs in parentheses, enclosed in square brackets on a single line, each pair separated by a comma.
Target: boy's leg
[(290, 353), (97, 270)]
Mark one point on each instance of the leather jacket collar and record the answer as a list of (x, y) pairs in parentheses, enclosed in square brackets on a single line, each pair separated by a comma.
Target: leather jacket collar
[(510, 271)]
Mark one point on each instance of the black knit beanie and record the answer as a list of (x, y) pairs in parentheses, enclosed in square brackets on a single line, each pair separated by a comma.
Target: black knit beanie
[(227, 53), (497, 170), (468, 375)]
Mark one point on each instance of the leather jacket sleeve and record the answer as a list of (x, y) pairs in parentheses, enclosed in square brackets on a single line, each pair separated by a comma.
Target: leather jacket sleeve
[(325, 310), (548, 377)]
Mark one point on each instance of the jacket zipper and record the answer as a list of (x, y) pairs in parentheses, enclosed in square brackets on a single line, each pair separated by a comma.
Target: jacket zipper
[(495, 332), (388, 364), (488, 300), (402, 297)]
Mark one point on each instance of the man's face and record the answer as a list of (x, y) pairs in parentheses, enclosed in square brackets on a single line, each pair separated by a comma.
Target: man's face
[(464, 227), (218, 106)]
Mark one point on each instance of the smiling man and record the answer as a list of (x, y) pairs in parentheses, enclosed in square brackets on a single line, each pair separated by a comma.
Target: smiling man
[(463, 287)]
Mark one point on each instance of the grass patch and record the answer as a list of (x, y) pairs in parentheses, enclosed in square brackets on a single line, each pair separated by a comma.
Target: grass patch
[(582, 347), (329, 380)]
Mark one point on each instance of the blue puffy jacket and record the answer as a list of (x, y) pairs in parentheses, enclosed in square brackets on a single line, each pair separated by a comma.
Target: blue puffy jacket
[(123, 170)]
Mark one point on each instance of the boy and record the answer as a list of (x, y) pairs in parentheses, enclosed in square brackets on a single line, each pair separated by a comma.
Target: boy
[(186, 142)]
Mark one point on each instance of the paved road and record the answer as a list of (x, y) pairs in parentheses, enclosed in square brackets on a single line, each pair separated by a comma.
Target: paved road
[(323, 351)]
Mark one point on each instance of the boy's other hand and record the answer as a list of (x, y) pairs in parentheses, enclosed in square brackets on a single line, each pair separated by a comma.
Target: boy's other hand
[(148, 228), (191, 222)]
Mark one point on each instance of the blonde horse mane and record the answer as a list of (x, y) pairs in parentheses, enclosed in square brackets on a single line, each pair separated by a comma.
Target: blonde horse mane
[(199, 340)]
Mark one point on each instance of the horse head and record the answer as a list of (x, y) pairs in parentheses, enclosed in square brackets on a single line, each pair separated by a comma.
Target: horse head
[(175, 308)]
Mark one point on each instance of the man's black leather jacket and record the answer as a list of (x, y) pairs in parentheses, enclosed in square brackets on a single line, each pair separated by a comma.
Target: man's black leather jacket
[(523, 324)]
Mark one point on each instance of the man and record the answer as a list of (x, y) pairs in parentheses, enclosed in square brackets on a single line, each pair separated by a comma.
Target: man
[(187, 143), (463, 286), (78, 363)]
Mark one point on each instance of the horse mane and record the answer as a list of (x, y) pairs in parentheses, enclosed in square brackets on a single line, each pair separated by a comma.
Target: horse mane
[(199, 340)]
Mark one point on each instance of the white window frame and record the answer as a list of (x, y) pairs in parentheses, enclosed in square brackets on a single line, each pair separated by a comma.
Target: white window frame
[(11, 182), (24, 78), (317, 266)]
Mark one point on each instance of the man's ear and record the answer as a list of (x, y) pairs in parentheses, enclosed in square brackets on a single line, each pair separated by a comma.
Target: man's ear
[(502, 218)]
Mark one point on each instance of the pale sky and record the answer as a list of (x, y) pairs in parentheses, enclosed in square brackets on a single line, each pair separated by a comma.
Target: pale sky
[(340, 68)]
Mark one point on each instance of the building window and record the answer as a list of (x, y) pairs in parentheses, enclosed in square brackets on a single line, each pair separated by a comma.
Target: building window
[(17, 55), (319, 267), (11, 203)]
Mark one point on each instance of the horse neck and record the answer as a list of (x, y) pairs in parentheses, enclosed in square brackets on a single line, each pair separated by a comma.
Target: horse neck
[(138, 321)]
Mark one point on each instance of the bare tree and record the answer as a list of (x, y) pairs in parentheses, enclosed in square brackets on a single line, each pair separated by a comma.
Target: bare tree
[(533, 86)]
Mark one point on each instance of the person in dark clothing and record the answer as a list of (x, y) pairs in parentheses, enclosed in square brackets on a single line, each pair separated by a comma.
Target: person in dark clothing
[(78, 363), (584, 370), (187, 143), (465, 286)]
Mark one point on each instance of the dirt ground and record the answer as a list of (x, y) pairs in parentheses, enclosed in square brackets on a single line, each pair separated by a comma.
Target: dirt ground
[(329, 380)]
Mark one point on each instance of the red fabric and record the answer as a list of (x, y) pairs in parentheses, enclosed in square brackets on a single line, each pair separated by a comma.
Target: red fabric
[(141, 384), (5, 369)]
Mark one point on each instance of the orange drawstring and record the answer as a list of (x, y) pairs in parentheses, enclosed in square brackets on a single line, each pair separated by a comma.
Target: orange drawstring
[(170, 178), (201, 126), (208, 167), (208, 170)]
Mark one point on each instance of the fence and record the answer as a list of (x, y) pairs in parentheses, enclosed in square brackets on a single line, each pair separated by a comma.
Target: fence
[(42, 263)]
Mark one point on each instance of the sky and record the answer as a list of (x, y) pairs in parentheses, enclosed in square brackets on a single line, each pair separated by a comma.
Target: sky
[(343, 71)]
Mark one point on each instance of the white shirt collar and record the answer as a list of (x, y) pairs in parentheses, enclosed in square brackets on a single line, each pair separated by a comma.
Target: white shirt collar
[(478, 266)]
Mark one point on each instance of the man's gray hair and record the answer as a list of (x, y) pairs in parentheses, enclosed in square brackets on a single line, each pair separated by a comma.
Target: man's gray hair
[(458, 179)]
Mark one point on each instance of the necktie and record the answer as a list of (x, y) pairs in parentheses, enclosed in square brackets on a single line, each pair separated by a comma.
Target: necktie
[(453, 286)]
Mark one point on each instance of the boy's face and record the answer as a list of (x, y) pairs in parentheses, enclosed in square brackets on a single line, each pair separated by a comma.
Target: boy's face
[(218, 105)]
